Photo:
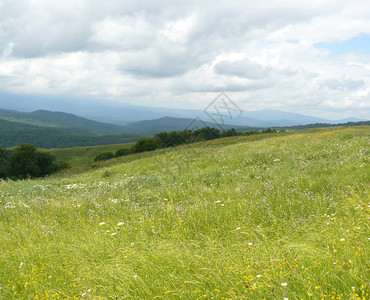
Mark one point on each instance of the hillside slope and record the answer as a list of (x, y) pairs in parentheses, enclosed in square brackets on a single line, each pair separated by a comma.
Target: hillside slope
[(61, 120), (267, 216)]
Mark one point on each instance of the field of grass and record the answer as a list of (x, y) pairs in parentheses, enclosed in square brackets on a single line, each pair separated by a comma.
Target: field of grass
[(81, 156), (282, 216)]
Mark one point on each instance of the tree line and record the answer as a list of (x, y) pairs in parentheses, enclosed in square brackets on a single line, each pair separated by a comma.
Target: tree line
[(175, 138), (59, 138), (25, 161)]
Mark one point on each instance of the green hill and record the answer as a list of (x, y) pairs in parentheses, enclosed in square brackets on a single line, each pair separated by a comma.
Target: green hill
[(82, 156), (61, 120), (56, 138), (251, 217)]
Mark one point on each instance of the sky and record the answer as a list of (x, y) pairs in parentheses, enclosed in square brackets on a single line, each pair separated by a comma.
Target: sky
[(310, 57)]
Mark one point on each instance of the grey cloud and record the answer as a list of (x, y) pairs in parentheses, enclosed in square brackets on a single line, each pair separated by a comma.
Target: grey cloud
[(40, 28), (161, 61), (342, 84), (243, 68)]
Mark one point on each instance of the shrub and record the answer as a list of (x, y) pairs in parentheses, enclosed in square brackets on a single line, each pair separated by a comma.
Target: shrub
[(104, 156), (27, 162), (122, 152), (145, 144)]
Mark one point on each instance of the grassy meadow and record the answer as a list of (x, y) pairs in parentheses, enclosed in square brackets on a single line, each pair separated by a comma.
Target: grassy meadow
[(82, 156), (273, 216)]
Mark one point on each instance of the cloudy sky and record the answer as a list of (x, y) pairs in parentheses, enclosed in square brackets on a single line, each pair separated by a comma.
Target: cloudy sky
[(311, 57)]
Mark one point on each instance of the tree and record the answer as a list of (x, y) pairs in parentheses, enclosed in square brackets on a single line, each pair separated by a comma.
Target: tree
[(26, 161), (104, 156), (206, 133), (4, 162), (145, 144), (122, 152), (46, 164), (23, 162)]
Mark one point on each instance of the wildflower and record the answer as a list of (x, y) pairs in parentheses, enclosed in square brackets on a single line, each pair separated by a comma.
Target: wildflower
[(114, 233), (250, 244), (258, 276), (334, 263), (135, 276), (238, 228), (284, 284), (20, 266), (342, 240), (102, 223), (120, 223)]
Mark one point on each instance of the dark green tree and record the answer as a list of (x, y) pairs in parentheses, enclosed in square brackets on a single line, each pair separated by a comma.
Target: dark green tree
[(4, 162), (23, 162), (27, 162), (145, 144), (122, 152), (104, 156), (46, 164)]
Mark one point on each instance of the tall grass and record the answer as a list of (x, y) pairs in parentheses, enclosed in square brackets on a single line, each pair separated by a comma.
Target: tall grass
[(281, 216)]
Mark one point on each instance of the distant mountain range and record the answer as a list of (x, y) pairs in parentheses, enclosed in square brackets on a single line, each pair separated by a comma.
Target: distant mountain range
[(110, 112), (50, 129)]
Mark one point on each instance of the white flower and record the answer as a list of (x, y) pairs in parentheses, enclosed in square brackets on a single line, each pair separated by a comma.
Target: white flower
[(237, 228), (135, 276), (114, 233), (20, 266), (250, 244), (102, 223), (120, 223), (258, 276), (342, 240), (284, 284)]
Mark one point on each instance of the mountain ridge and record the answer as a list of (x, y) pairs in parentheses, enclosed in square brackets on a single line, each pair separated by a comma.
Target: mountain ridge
[(113, 112)]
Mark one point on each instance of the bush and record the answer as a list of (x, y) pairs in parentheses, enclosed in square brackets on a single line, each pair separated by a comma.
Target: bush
[(145, 144), (104, 156), (27, 162), (4, 162), (122, 152)]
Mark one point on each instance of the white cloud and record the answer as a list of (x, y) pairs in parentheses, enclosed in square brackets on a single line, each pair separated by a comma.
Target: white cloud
[(123, 33), (242, 68), (262, 53)]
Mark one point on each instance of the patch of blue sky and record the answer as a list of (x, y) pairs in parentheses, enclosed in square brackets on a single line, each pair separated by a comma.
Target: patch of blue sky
[(359, 44)]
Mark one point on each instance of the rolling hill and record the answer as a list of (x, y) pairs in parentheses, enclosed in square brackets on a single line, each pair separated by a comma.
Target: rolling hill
[(48, 129), (61, 120)]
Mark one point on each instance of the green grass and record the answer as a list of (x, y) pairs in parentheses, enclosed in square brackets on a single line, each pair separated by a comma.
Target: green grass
[(274, 216), (81, 156)]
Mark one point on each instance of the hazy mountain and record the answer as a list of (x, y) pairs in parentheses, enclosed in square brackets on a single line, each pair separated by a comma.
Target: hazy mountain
[(151, 127), (48, 129), (15, 133), (63, 120), (111, 112)]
